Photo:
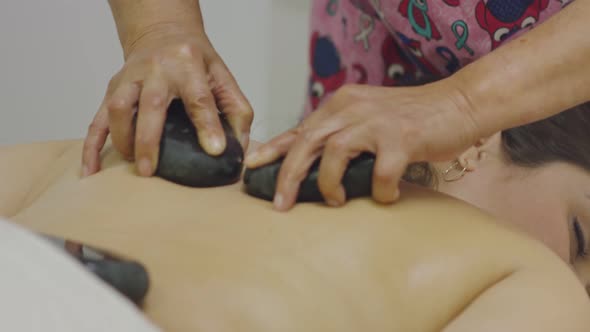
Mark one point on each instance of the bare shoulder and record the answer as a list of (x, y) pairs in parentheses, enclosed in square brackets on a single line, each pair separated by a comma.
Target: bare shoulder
[(21, 165), (542, 295)]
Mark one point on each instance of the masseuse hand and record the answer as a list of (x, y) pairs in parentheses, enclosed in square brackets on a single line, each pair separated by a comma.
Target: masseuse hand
[(162, 65), (398, 125)]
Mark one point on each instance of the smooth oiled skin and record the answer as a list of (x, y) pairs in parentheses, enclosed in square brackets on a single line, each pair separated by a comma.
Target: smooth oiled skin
[(220, 260), (183, 161), (261, 182)]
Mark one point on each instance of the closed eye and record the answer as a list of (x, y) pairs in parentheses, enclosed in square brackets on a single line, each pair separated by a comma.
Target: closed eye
[(581, 250)]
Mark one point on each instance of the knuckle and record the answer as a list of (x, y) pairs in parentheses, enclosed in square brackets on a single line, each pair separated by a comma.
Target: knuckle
[(154, 60), (247, 115), (205, 120), (198, 100), (299, 129), (94, 128), (116, 105), (338, 144), (185, 49), (309, 135), (117, 76), (155, 101), (145, 141), (383, 175), (113, 83)]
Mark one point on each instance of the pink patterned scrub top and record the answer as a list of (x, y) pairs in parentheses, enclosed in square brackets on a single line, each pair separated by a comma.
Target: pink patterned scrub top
[(409, 42)]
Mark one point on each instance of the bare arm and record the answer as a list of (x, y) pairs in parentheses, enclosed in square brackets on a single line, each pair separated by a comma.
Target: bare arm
[(534, 76), (137, 18)]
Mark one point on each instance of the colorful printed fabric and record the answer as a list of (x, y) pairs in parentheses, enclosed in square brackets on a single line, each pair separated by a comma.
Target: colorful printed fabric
[(409, 42)]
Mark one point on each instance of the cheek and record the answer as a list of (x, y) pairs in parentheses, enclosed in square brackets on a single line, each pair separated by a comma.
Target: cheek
[(540, 216), (550, 228)]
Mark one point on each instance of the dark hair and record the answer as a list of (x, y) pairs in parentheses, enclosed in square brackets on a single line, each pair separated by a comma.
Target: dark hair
[(564, 137)]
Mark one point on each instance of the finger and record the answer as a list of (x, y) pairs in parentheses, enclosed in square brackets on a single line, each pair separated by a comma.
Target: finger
[(271, 151), (390, 164), (279, 145), (94, 142), (121, 107), (340, 148), (202, 110), (232, 102), (289, 180), (303, 152), (153, 104)]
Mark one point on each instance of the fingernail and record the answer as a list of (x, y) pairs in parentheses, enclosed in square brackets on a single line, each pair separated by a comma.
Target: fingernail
[(144, 167), (85, 171), (333, 203), (278, 201), (215, 145)]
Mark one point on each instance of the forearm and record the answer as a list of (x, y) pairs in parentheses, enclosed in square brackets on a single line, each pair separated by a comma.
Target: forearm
[(136, 18), (532, 77)]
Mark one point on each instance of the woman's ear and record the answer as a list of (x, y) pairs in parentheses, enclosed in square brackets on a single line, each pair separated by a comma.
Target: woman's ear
[(472, 158)]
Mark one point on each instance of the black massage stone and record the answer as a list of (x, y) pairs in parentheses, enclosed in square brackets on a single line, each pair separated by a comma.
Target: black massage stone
[(357, 181), (129, 278), (183, 161)]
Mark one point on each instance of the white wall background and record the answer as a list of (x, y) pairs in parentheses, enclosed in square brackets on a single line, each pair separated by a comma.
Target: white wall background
[(56, 58)]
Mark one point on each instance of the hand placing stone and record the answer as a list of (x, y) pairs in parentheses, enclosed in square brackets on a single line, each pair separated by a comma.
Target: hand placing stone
[(261, 182), (183, 161)]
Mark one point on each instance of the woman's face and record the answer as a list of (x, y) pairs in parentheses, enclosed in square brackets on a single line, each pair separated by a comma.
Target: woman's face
[(550, 203)]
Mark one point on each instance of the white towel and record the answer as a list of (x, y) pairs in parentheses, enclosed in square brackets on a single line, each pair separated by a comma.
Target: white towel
[(43, 289)]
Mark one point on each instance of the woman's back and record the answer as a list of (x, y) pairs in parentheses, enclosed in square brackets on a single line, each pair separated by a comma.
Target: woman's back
[(220, 260)]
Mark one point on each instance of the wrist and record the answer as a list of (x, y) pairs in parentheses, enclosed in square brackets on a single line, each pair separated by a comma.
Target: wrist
[(142, 20), (156, 33), (486, 96), (464, 109)]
